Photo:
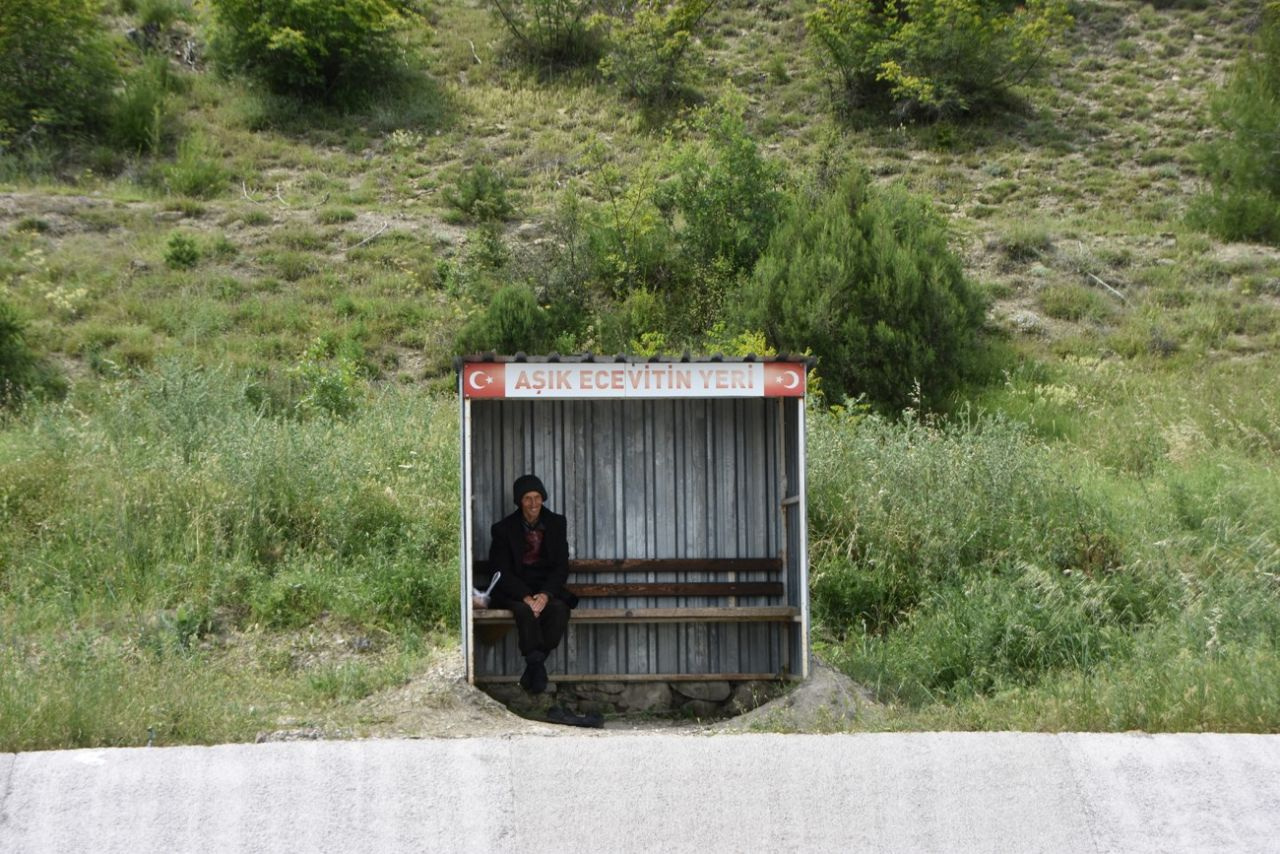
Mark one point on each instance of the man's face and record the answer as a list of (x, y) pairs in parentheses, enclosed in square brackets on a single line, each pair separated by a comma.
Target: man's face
[(531, 506)]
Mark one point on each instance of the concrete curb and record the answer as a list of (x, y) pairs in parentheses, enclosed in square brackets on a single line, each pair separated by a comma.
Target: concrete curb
[(952, 792)]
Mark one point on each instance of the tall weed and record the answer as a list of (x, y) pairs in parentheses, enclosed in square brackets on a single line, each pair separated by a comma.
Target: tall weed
[(181, 491), (985, 579)]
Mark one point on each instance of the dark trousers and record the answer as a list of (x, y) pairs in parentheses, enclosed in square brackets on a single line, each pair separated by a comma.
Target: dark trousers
[(537, 634)]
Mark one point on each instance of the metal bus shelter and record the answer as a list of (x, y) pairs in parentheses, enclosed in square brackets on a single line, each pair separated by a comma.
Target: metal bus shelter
[(665, 467)]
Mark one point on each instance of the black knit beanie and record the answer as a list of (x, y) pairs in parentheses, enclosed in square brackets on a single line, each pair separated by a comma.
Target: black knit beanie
[(527, 483)]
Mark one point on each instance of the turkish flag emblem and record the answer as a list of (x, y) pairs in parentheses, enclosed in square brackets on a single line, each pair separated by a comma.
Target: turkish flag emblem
[(784, 379), (484, 379)]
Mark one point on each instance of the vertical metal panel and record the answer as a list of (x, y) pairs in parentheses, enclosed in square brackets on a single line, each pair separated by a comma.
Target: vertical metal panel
[(682, 478)]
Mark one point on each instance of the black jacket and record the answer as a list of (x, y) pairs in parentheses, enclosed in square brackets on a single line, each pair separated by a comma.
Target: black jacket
[(548, 575)]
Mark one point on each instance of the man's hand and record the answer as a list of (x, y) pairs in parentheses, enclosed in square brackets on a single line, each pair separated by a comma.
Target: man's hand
[(536, 603)]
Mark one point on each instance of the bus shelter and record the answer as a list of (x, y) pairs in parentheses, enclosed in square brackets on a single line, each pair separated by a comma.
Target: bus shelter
[(683, 483)]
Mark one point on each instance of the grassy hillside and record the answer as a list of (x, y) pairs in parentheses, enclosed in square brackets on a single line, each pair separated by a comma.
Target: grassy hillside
[(243, 510)]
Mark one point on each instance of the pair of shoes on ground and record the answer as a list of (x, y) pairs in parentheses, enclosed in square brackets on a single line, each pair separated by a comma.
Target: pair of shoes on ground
[(534, 678), (558, 715)]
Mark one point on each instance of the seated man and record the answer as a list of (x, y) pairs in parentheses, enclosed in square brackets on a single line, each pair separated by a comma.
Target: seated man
[(531, 550)]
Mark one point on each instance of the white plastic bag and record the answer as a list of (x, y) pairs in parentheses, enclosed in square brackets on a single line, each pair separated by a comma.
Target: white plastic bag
[(480, 598)]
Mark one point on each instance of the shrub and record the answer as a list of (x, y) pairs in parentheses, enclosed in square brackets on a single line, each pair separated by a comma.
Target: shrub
[(310, 49), (652, 55), (197, 172), (161, 14), (56, 69), (17, 362), (140, 115), (1241, 165), (512, 323), (865, 278), (724, 193), (555, 32), (934, 58), (329, 380), (481, 195), (1025, 241), (626, 239), (1069, 301), (182, 253), (335, 216)]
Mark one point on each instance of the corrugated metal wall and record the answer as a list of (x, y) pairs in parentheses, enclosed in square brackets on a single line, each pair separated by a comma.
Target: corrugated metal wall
[(682, 478)]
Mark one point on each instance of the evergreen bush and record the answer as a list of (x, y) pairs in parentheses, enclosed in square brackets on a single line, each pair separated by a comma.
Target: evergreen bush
[(56, 69), (864, 277), (512, 323), (308, 48), (182, 252), (1243, 164), (17, 362), (933, 58), (481, 195)]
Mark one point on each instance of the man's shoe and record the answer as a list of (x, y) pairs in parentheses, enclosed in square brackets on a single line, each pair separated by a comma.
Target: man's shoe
[(538, 681), (558, 715)]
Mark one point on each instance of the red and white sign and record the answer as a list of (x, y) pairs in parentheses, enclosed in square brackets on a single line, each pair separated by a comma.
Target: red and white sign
[(642, 380)]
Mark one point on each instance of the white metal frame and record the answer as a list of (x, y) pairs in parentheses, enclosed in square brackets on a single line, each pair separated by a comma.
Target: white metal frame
[(465, 555)]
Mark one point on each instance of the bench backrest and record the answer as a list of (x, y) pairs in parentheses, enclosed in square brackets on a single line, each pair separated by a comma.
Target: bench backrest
[(717, 577)]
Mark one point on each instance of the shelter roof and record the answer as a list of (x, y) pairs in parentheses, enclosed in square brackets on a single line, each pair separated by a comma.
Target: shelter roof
[(623, 358)]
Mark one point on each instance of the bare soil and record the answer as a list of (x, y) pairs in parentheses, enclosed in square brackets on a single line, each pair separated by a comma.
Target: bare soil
[(438, 703)]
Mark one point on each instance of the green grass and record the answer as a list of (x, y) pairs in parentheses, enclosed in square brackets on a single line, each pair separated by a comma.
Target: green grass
[(977, 578), (175, 512)]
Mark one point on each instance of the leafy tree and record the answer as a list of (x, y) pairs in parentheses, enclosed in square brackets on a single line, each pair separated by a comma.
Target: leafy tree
[(652, 55), (311, 48), (1243, 164), (866, 279), (56, 68), (934, 58)]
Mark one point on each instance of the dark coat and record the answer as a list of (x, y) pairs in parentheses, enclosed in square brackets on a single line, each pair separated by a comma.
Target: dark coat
[(548, 575)]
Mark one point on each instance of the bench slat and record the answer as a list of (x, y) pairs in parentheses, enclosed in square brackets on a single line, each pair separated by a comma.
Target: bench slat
[(757, 614), (691, 588), (645, 677), (754, 564), (750, 564)]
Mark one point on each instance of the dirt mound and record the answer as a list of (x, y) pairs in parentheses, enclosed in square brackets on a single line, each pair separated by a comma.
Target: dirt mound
[(439, 703)]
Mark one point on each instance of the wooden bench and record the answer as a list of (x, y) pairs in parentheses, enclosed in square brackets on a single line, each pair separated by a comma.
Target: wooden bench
[(582, 575)]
